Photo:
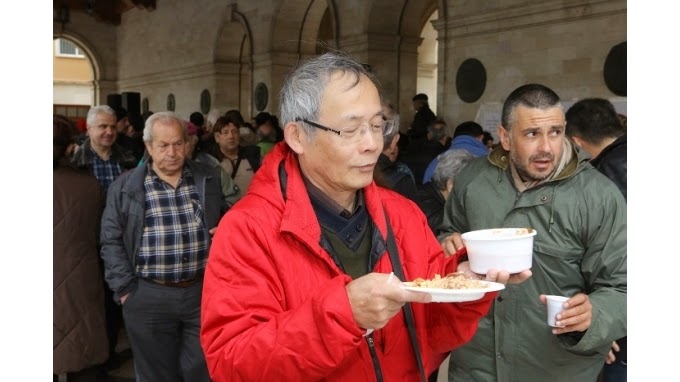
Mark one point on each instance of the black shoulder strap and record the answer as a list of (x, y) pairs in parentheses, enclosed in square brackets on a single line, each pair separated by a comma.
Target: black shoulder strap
[(234, 169), (408, 313)]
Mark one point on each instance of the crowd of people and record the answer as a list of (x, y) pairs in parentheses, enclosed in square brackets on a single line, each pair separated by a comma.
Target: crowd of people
[(274, 249)]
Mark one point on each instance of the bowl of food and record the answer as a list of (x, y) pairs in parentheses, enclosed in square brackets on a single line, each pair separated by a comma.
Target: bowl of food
[(507, 249)]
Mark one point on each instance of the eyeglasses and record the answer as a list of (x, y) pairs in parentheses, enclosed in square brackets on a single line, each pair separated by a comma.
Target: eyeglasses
[(379, 127)]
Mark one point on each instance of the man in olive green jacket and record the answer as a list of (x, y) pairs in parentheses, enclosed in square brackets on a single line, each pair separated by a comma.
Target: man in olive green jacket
[(539, 179)]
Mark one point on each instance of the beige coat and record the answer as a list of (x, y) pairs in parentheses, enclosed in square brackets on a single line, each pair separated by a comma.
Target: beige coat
[(79, 330)]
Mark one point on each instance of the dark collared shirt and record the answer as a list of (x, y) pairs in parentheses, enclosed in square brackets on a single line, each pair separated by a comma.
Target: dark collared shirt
[(106, 171), (174, 240)]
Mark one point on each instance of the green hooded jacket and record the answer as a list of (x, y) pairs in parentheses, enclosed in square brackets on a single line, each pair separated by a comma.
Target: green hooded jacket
[(580, 246)]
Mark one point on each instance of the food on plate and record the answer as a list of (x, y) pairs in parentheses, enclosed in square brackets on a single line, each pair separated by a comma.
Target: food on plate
[(451, 281)]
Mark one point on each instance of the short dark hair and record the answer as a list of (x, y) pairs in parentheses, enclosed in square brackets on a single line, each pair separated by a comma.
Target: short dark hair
[(235, 116), (535, 96), (224, 121), (593, 120), (262, 117), (197, 119), (487, 138), (420, 97), (120, 113), (470, 128)]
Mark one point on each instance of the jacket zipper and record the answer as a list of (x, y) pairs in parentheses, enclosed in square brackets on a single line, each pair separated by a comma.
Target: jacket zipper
[(374, 357)]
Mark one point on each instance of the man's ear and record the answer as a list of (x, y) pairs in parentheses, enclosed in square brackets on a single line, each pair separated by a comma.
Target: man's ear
[(504, 136), (294, 134), (577, 140), (395, 139)]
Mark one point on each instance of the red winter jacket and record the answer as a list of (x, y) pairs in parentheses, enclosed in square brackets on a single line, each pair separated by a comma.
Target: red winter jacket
[(274, 304)]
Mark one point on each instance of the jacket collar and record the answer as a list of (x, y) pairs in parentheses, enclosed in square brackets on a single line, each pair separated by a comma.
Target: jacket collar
[(500, 158), (298, 216)]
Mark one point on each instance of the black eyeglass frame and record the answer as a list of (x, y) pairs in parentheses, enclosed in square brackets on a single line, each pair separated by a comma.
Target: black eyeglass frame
[(318, 126)]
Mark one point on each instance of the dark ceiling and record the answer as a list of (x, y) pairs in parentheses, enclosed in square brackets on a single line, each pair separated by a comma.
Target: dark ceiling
[(106, 11)]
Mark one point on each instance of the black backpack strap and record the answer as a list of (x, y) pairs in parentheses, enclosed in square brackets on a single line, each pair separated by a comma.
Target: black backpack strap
[(408, 313), (235, 167)]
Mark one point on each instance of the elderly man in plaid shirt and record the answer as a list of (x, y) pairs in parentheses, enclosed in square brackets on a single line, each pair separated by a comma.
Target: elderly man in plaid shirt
[(156, 233)]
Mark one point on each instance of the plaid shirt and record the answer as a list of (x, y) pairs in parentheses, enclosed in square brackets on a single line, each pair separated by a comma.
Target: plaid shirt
[(106, 171), (174, 243)]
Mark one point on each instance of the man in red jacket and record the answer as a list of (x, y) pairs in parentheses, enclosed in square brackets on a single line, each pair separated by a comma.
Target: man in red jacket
[(297, 285)]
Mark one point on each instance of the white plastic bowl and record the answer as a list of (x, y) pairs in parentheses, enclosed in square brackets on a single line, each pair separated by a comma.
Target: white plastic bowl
[(508, 249)]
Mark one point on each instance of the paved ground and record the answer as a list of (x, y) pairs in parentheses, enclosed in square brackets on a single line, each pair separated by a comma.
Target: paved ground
[(126, 371)]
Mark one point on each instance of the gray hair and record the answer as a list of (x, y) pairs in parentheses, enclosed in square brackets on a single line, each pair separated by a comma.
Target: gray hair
[(166, 118), (303, 88), (450, 164), (96, 110), (437, 134)]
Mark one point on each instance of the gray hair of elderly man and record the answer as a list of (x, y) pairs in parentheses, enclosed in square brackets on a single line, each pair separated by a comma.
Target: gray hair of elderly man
[(304, 86), (450, 164), (167, 118), (96, 110)]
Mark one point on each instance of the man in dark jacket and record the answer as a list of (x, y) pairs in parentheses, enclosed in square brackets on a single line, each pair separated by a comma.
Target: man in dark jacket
[(106, 159), (423, 118), (414, 156), (100, 153), (594, 125), (156, 234), (389, 171)]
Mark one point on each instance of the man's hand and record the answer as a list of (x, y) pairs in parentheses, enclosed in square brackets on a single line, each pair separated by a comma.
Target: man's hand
[(374, 301), (495, 275), (576, 316), (123, 298), (452, 243), (611, 357)]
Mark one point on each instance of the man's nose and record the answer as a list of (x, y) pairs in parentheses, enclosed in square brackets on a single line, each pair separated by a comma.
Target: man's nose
[(544, 144), (371, 141)]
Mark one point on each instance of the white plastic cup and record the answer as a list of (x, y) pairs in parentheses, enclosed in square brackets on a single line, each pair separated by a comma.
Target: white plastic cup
[(554, 308)]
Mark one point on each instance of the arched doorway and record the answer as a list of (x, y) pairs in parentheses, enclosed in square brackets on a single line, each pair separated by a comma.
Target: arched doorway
[(73, 91)]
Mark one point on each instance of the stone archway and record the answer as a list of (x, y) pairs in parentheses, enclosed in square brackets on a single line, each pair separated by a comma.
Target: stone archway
[(298, 27), (394, 34), (100, 88), (234, 65)]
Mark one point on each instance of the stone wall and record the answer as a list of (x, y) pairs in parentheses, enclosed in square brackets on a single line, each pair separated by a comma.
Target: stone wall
[(183, 47)]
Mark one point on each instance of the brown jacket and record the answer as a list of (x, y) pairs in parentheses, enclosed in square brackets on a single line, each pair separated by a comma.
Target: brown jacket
[(79, 330)]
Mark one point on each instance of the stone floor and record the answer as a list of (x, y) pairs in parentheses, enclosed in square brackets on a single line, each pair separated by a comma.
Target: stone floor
[(126, 371), (123, 371)]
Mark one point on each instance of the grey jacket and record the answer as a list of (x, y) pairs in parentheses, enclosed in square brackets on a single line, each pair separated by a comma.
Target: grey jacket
[(580, 217), (123, 220)]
